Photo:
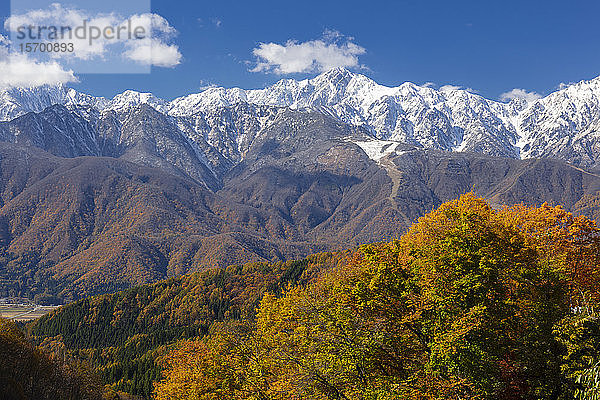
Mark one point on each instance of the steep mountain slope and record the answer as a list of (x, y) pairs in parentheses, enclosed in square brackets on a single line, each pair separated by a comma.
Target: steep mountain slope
[(15, 102), (447, 119), (143, 136), (148, 138), (96, 224), (180, 194), (55, 130)]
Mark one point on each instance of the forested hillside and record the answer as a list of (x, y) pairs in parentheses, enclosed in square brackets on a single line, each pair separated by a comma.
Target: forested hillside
[(123, 334), (28, 372), (471, 303)]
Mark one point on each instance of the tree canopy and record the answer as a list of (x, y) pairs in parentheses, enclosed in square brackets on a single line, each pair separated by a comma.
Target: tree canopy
[(472, 302)]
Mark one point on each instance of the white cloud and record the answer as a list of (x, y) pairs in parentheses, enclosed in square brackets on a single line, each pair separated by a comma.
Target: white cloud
[(564, 85), (154, 52), (18, 70), (154, 49), (204, 85), (59, 16), (451, 88), (331, 51), (159, 26), (520, 94)]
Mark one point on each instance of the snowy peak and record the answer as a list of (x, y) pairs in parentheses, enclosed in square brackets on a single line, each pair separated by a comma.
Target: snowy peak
[(564, 124), (131, 98), (15, 102), (209, 99)]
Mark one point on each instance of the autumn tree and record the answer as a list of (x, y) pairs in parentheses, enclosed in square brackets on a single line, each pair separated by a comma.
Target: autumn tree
[(28, 372), (471, 302)]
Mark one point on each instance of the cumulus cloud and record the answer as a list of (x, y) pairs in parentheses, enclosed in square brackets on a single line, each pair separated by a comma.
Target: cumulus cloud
[(153, 49), (154, 52), (58, 16), (520, 94), (451, 88), (564, 85), (18, 70), (320, 55)]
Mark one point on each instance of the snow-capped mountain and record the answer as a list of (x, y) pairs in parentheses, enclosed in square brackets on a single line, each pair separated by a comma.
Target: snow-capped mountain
[(15, 102), (445, 120), (564, 125), (18, 101)]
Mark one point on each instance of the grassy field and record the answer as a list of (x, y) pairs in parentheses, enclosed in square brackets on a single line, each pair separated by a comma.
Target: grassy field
[(24, 312)]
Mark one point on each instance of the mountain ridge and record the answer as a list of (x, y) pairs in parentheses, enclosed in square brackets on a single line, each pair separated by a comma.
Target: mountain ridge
[(563, 125), (97, 195)]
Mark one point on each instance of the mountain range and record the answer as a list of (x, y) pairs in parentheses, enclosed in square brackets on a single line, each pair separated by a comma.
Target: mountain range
[(562, 125), (100, 194)]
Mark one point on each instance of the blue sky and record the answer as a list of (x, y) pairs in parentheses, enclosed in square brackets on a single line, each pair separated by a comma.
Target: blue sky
[(491, 47)]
